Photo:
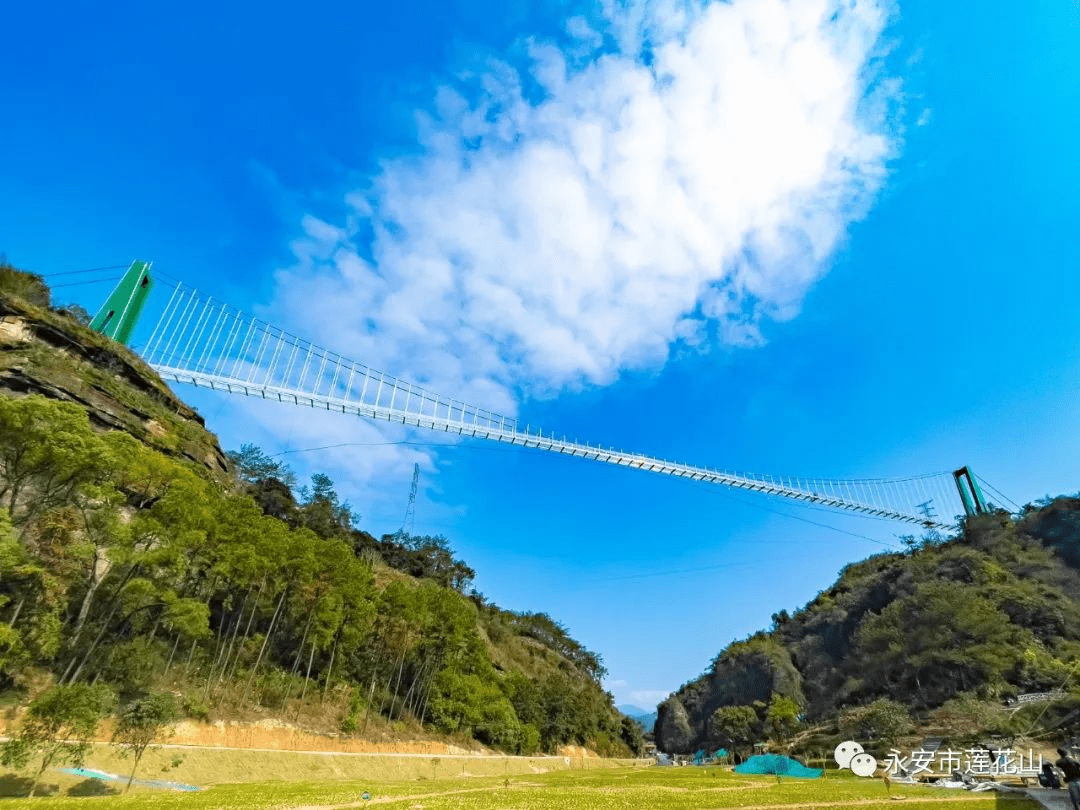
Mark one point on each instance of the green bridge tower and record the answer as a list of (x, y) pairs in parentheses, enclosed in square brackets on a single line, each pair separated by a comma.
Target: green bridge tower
[(118, 315)]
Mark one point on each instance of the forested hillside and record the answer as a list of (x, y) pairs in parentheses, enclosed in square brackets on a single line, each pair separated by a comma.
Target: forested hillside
[(970, 621), (135, 555)]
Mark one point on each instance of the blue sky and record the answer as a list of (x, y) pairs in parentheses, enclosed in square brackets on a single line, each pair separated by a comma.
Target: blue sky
[(750, 236)]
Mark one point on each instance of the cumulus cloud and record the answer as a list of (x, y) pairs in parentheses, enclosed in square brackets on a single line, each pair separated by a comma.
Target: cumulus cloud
[(566, 223), (672, 175)]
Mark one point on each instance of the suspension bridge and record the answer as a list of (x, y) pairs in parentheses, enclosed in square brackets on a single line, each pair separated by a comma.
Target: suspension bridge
[(197, 340)]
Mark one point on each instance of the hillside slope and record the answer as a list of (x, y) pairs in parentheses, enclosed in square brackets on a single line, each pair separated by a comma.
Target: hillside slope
[(991, 613), (135, 553)]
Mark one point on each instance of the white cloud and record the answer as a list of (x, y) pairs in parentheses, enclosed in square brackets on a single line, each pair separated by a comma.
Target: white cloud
[(624, 692), (648, 698), (564, 223)]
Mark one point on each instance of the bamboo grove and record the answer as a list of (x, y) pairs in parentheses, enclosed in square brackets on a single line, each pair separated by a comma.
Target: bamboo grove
[(122, 566)]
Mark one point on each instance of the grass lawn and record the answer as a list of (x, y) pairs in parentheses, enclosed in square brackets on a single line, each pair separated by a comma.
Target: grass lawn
[(609, 789)]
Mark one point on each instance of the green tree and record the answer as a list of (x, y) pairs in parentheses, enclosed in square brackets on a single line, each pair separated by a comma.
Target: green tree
[(253, 465), (944, 638), (528, 740), (47, 453), (883, 720), (30, 606), (57, 727), (140, 724), (966, 717), (321, 510), (782, 716), (733, 727), (631, 735)]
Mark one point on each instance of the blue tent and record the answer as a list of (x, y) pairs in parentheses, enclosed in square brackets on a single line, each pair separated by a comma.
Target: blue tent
[(777, 764)]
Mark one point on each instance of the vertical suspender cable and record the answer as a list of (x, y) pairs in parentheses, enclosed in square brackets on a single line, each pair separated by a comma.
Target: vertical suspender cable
[(235, 327), (155, 335)]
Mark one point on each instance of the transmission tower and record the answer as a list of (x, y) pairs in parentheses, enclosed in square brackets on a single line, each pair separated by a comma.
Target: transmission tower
[(927, 509), (410, 510)]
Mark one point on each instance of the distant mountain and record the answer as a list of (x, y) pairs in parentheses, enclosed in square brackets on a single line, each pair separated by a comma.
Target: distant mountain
[(643, 717)]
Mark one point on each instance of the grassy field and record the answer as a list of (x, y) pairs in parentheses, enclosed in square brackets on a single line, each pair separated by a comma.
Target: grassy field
[(608, 789), (205, 766)]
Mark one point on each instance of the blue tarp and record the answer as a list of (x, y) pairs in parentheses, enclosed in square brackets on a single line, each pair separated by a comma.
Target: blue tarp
[(91, 773), (777, 764)]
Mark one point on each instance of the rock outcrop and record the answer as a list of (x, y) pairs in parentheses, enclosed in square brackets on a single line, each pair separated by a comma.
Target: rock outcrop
[(673, 732), (52, 354)]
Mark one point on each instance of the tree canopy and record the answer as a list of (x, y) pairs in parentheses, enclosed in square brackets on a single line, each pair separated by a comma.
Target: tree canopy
[(122, 566)]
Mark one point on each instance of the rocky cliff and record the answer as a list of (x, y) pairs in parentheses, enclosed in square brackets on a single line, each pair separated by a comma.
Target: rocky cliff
[(50, 353)]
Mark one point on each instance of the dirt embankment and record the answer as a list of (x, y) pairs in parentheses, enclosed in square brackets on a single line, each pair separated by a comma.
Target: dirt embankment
[(276, 735), (279, 736)]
